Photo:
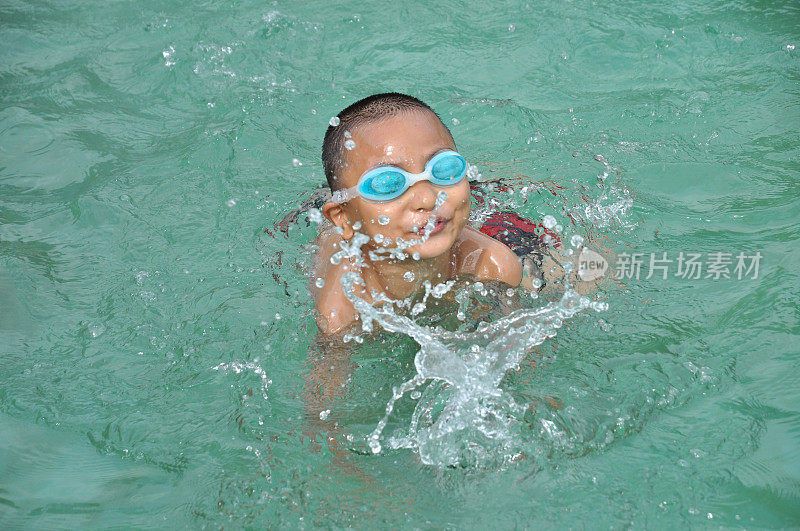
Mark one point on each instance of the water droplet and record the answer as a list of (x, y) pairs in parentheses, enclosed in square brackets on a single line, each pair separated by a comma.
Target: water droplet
[(320, 282), (415, 256), (576, 241), (559, 228), (456, 121), (697, 453), (547, 238), (549, 221), (347, 134), (334, 121), (231, 202), (314, 215), (408, 276), (323, 415), (415, 394), (441, 197), (378, 238), (510, 292), (511, 27), (374, 445), (536, 283), (383, 219), (790, 47), (356, 225), (96, 330), (349, 145), (168, 53)]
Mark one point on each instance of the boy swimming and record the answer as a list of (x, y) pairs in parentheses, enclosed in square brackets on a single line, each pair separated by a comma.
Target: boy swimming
[(387, 161)]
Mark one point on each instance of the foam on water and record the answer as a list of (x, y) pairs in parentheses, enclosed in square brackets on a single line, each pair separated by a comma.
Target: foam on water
[(611, 207)]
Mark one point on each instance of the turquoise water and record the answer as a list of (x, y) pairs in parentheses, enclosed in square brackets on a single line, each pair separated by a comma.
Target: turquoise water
[(154, 340)]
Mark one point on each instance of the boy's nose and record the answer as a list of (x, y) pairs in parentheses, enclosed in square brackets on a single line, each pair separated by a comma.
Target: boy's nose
[(423, 196)]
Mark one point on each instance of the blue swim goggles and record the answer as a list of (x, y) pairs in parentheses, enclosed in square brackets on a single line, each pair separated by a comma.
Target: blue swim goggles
[(389, 182)]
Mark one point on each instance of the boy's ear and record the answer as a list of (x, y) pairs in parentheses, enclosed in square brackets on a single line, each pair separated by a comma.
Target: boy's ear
[(337, 215)]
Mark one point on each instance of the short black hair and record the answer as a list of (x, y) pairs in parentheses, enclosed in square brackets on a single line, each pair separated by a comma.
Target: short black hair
[(363, 111)]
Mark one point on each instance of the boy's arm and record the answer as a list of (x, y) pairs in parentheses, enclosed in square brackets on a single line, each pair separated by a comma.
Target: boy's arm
[(333, 312), (328, 371)]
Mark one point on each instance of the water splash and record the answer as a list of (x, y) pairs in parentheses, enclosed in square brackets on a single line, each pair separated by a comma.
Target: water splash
[(238, 367), (471, 365), (612, 205), (463, 417)]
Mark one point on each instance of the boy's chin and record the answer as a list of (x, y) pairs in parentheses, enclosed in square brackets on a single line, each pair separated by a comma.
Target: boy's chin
[(431, 248)]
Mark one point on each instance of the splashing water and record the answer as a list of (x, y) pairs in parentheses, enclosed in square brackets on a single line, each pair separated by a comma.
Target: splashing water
[(463, 417), (464, 411), (478, 416), (611, 207), (239, 367)]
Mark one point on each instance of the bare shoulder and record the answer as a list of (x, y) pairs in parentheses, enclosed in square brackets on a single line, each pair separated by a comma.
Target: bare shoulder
[(486, 258), (334, 313)]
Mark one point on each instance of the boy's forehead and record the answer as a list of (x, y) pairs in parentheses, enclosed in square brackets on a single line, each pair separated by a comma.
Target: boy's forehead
[(405, 138)]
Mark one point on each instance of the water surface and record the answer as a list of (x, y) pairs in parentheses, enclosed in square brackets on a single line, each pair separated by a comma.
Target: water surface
[(154, 339)]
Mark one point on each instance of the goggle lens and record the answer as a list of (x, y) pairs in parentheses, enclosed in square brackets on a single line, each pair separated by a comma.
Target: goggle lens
[(448, 168), (384, 184)]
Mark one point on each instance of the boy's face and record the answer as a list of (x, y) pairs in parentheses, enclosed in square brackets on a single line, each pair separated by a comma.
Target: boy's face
[(407, 140)]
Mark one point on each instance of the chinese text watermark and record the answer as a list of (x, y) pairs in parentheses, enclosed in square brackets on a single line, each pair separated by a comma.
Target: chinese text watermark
[(686, 265)]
